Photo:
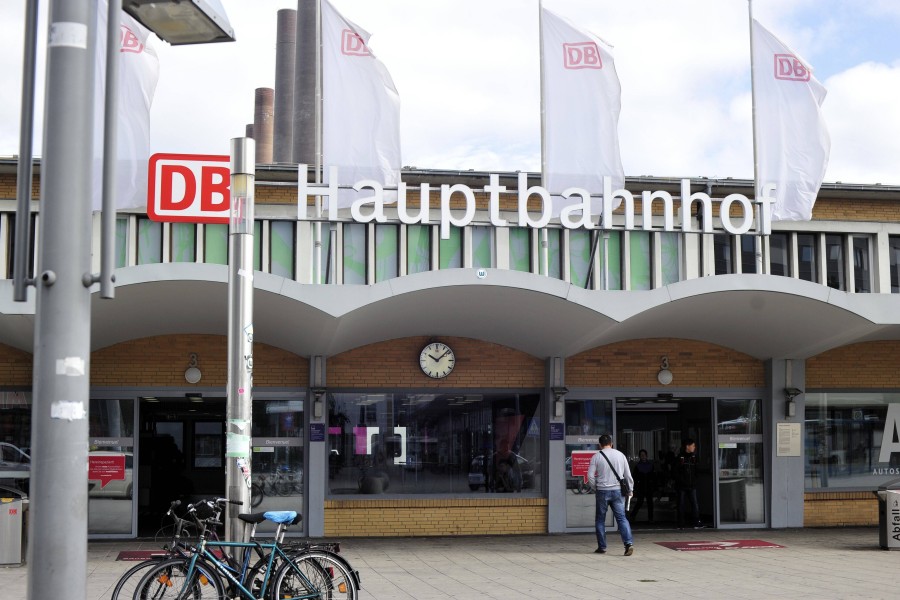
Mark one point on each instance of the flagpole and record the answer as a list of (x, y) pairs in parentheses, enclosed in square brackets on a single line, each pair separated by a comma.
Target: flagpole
[(545, 244), (759, 241), (317, 166)]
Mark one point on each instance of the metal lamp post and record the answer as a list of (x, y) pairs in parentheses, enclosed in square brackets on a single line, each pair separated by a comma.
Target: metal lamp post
[(238, 410)]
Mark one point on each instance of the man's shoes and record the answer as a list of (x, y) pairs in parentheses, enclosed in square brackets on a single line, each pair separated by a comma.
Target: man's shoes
[(600, 551), (699, 526), (629, 550)]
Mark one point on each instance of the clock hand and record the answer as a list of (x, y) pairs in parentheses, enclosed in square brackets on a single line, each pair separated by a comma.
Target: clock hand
[(446, 352), (433, 358)]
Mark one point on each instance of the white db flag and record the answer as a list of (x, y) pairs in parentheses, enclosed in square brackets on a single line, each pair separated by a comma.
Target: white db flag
[(792, 141), (582, 100), (361, 120), (138, 75)]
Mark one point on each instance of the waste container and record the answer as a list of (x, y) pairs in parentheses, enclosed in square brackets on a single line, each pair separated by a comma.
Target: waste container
[(12, 508), (889, 515)]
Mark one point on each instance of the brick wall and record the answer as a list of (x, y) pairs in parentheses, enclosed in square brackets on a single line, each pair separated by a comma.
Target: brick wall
[(395, 364), (15, 366), (839, 509), (636, 363), (865, 365), (162, 360), (454, 516)]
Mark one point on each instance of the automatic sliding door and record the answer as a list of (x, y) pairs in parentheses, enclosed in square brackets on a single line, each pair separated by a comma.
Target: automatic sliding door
[(740, 458)]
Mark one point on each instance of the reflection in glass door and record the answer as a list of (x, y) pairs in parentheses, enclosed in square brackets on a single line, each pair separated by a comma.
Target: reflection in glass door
[(586, 421), (740, 462), (111, 468)]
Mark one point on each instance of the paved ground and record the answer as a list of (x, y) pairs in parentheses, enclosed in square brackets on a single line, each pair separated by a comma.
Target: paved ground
[(814, 563)]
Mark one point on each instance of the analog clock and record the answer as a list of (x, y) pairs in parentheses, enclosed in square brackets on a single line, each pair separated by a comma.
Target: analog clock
[(437, 360)]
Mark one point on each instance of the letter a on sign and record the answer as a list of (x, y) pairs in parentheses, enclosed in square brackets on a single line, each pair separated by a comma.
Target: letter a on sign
[(889, 440)]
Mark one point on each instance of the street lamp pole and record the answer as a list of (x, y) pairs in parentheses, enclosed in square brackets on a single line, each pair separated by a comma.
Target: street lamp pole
[(238, 409), (57, 551)]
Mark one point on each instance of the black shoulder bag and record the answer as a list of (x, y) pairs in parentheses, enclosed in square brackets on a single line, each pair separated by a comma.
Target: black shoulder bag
[(623, 483)]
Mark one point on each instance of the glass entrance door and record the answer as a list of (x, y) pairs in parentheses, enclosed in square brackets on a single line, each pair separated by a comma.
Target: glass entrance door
[(740, 462), (111, 468)]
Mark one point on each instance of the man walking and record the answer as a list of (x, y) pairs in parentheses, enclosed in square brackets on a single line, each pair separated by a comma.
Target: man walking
[(604, 472), (686, 484)]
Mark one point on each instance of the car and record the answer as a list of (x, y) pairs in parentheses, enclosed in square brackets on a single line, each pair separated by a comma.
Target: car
[(15, 466), (114, 487), (480, 477)]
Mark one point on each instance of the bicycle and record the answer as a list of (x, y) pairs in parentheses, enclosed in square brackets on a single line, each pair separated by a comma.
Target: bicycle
[(300, 571), (129, 580)]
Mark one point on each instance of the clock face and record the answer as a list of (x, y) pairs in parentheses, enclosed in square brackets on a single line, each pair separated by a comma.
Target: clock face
[(437, 360)]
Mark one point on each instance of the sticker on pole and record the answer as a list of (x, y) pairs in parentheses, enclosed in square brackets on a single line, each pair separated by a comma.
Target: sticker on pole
[(189, 188), (720, 545)]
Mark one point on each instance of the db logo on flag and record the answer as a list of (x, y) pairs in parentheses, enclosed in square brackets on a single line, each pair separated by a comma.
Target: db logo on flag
[(787, 66), (583, 55), (352, 44), (130, 42)]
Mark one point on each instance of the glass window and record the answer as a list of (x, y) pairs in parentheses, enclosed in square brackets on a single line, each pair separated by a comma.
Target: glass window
[(257, 245), (748, 254), (862, 273), (834, 261), (281, 242), (209, 449), (111, 466), (740, 461), (433, 443), (216, 244), (121, 242), (851, 439), (482, 247), (579, 256), (670, 256), (354, 253), (520, 249), (418, 249), (149, 241), (184, 237), (450, 250), (613, 263), (15, 441), (387, 252), (277, 459), (894, 242), (806, 257), (722, 253), (779, 254), (639, 255), (554, 253), (325, 265), (586, 421)]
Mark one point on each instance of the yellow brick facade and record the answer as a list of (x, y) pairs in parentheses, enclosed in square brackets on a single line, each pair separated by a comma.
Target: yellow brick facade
[(839, 509)]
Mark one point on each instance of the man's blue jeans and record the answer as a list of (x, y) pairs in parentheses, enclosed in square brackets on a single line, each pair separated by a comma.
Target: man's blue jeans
[(687, 500), (612, 498)]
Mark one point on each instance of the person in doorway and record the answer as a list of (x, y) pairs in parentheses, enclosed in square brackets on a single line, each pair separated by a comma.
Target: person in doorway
[(644, 475), (686, 484), (606, 467)]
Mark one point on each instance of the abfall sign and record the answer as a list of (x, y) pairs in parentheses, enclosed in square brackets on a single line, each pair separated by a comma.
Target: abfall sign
[(189, 188)]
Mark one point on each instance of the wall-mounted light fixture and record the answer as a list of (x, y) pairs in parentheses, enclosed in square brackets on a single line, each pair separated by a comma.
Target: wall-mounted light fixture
[(559, 405), (665, 375), (318, 408), (790, 407), (193, 374)]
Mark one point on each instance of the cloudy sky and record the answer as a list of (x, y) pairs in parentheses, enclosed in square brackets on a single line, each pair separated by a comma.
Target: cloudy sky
[(468, 76)]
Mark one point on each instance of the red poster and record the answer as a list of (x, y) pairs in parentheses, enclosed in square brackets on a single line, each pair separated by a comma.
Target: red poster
[(106, 468)]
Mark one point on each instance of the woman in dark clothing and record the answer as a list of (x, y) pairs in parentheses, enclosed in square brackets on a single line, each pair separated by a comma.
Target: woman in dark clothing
[(644, 485)]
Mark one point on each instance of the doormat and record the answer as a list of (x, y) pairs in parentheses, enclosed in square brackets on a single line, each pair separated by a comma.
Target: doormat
[(720, 545), (137, 555)]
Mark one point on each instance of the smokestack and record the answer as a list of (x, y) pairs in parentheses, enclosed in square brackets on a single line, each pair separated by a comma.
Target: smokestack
[(262, 124), (285, 53), (304, 117), (248, 130)]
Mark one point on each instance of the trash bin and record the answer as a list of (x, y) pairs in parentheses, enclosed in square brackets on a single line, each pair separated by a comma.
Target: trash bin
[(889, 515), (12, 507)]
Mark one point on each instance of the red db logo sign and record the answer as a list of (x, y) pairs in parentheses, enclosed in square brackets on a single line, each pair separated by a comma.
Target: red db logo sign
[(583, 55), (129, 41), (191, 188), (352, 44), (787, 66)]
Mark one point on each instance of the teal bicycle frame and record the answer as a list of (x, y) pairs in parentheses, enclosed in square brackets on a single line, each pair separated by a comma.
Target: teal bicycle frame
[(226, 570)]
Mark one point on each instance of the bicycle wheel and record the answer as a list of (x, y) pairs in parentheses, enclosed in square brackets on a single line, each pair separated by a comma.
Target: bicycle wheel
[(256, 495), (169, 579), (316, 574), (129, 580)]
